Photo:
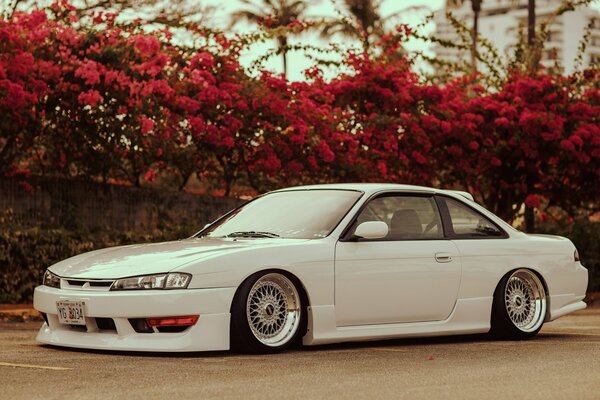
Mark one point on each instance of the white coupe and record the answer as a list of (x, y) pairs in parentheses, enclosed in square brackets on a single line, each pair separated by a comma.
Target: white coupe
[(314, 265)]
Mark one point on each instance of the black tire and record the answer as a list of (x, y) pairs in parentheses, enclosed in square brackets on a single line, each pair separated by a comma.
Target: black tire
[(244, 337), (505, 327)]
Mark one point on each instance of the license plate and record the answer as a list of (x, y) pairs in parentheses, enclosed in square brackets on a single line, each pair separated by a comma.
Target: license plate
[(70, 312)]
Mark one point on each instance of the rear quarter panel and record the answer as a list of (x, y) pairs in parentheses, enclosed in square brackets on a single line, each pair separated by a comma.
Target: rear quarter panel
[(486, 261)]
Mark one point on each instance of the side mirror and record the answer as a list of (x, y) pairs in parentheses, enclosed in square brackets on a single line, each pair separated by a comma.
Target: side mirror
[(371, 230)]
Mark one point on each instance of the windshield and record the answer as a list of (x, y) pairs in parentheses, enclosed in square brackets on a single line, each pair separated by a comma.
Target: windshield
[(298, 214)]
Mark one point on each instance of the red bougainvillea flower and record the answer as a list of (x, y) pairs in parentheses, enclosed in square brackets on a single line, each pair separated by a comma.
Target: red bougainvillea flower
[(90, 98), (533, 201)]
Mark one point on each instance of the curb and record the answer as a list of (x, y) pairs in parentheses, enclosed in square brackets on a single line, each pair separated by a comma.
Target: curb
[(18, 313), (592, 299)]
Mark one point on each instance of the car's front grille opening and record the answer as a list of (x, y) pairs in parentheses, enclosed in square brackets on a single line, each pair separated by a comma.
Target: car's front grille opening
[(105, 324), (140, 325), (172, 329), (87, 284), (100, 283)]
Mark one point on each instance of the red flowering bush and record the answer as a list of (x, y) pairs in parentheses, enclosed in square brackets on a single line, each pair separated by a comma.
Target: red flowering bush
[(23, 83), (539, 136), (117, 103)]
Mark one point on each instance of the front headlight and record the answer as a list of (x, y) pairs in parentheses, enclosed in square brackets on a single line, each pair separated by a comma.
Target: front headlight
[(174, 280), (51, 280)]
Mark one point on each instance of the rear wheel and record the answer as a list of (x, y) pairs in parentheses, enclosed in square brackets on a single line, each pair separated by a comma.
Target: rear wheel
[(267, 314), (519, 307)]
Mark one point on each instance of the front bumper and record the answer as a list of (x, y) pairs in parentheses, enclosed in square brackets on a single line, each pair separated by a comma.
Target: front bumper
[(211, 332)]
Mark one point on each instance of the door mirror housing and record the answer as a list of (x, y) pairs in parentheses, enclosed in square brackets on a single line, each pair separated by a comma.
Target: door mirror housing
[(371, 230)]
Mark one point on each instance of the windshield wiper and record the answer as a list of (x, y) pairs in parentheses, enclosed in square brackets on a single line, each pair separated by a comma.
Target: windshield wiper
[(252, 234)]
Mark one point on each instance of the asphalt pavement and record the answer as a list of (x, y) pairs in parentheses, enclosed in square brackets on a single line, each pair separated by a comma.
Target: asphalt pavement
[(563, 361)]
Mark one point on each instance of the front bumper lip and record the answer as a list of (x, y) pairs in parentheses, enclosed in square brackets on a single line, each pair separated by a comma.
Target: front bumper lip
[(211, 332)]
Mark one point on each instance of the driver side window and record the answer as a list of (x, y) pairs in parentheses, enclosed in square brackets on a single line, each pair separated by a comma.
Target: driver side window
[(407, 217)]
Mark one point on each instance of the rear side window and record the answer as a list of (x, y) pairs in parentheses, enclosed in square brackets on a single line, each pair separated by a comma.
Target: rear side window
[(465, 222)]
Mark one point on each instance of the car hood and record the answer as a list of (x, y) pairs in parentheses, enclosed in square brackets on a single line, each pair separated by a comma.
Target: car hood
[(154, 258)]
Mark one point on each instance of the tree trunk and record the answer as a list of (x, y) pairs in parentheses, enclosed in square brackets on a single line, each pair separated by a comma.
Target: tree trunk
[(531, 23), (229, 174), (283, 49), (529, 220), (534, 50), (529, 215), (476, 7), (5, 153)]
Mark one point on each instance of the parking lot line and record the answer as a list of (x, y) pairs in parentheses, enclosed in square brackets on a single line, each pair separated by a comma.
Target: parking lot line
[(5, 364)]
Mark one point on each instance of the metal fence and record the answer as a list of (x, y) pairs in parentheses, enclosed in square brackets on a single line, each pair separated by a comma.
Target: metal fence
[(80, 204)]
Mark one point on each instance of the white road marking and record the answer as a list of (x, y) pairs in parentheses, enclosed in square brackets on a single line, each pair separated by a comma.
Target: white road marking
[(571, 333), (257, 358), (388, 349), (5, 364), (222, 359)]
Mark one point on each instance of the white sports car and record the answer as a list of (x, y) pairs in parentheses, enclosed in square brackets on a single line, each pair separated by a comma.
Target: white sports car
[(317, 264)]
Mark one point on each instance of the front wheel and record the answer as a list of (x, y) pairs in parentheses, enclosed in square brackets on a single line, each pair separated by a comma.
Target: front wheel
[(267, 314), (519, 307)]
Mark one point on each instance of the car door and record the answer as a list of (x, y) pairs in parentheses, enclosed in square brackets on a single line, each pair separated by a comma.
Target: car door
[(411, 275)]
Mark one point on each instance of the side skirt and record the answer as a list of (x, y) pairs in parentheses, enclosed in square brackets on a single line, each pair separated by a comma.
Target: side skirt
[(469, 316)]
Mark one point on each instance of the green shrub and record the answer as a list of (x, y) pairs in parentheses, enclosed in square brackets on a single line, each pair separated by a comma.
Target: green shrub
[(26, 252)]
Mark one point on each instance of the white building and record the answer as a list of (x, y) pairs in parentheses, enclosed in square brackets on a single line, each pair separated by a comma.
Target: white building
[(501, 20)]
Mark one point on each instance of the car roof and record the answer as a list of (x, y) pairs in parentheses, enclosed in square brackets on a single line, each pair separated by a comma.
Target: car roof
[(370, 188)]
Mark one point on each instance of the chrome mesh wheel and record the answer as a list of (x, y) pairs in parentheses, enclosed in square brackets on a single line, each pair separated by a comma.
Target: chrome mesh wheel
[(273, 310), (525, 300)]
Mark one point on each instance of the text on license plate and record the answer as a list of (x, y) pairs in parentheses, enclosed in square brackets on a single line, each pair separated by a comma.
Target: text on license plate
[(70, 312)]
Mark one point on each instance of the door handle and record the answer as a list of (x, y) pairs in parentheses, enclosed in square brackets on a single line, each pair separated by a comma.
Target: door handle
[(443, 257)]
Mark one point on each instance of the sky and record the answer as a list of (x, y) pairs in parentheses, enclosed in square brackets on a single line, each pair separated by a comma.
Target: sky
[(411, 12), (298, 62)]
